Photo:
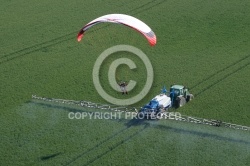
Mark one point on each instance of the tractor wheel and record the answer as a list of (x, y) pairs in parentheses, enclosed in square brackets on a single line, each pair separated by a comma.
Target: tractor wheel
[(181, 101), (189, 97)]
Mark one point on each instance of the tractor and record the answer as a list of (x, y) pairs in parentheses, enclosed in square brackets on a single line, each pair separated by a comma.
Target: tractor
[(180, 95), (175, 98)]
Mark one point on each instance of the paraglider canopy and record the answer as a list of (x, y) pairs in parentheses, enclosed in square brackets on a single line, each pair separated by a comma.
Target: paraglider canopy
[(126, 20)]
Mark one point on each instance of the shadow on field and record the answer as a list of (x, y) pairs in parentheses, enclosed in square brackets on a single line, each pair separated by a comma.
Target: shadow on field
[(220, 71), (129, 124), (38, 47), (134, 122), (50, 156)]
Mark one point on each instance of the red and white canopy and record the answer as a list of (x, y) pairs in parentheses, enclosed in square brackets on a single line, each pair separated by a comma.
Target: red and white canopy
[(127, 20)]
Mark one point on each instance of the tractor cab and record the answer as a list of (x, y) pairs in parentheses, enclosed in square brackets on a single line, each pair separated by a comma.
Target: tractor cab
[(179, 95), (176, 90)]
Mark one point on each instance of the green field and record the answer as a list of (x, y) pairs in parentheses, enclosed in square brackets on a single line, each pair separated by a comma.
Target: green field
[(203, 44)]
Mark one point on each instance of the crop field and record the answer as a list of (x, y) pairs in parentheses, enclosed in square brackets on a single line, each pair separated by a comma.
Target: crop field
[(202, 44)]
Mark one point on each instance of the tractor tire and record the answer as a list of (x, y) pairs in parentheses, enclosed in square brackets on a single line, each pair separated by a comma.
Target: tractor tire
[(190, 97), (181, 101)]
